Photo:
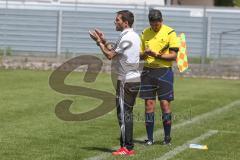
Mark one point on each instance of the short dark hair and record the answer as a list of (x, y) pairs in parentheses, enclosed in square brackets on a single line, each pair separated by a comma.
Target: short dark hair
[(127, 16), (154, 15)]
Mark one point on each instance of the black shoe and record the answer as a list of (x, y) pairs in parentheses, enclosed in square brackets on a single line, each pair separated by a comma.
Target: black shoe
[(166, 141), (149, 142)]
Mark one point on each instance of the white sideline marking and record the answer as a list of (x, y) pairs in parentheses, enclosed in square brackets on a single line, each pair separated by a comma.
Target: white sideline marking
[(183, 147), (202, 116), (192, 121), (228, 132)]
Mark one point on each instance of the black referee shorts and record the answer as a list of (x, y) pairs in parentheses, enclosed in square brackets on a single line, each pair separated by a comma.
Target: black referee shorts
[(157, 82)]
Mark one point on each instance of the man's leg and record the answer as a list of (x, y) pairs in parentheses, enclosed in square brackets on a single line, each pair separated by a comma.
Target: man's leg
[(129, 95), (165, 96), (129, 127), (167, 120), (148, 93), (149, 119), (119, 111), (126, 136)]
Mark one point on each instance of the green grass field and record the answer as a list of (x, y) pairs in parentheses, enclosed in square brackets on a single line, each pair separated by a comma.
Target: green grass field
[(30, 130)]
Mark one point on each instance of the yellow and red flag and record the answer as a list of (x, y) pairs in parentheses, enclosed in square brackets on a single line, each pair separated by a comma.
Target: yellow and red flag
[(182, 60)]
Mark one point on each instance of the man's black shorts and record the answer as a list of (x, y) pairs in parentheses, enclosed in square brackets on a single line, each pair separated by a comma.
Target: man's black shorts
[(157, 82)]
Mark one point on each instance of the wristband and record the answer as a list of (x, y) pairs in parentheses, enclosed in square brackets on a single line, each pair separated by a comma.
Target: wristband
[(98, 43), (104, 41), (159, 56)]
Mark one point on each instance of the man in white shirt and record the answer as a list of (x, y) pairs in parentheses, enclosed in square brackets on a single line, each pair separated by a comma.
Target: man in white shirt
[(125, 58)]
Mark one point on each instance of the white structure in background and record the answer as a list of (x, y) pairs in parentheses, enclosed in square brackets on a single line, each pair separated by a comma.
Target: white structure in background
[(119, 2), (193, 2), (148, 2)]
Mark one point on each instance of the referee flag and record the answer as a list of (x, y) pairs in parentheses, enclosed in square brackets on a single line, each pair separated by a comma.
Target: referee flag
[(182, 61)]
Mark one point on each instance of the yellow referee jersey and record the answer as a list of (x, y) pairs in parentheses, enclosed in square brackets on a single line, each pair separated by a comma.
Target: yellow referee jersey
[(164, 39)]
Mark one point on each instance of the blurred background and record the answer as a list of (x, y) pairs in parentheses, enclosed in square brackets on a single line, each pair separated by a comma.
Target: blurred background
[(41, 30), (37, 36)]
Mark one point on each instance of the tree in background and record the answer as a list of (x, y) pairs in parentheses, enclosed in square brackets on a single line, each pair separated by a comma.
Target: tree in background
[(224, 2), (237, 3)]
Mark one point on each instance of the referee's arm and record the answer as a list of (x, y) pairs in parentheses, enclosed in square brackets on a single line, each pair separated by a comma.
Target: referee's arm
[(173, 48), (143, 55), (169, 57)]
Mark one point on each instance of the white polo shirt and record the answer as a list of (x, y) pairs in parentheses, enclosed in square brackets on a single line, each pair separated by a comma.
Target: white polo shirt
[(126, 62)]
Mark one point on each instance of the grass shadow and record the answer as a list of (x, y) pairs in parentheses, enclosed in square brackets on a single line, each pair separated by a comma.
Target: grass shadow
[(102, 149)]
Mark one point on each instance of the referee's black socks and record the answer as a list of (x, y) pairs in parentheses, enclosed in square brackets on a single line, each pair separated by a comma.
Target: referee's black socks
[(149, 121), (167, 122)]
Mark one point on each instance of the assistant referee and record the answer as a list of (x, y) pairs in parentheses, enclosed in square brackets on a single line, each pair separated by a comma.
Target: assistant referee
[(158, 49)]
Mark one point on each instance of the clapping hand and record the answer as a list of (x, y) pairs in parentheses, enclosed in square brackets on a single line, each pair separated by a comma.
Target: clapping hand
[(101, 35), (94, 36), (97, 36)]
